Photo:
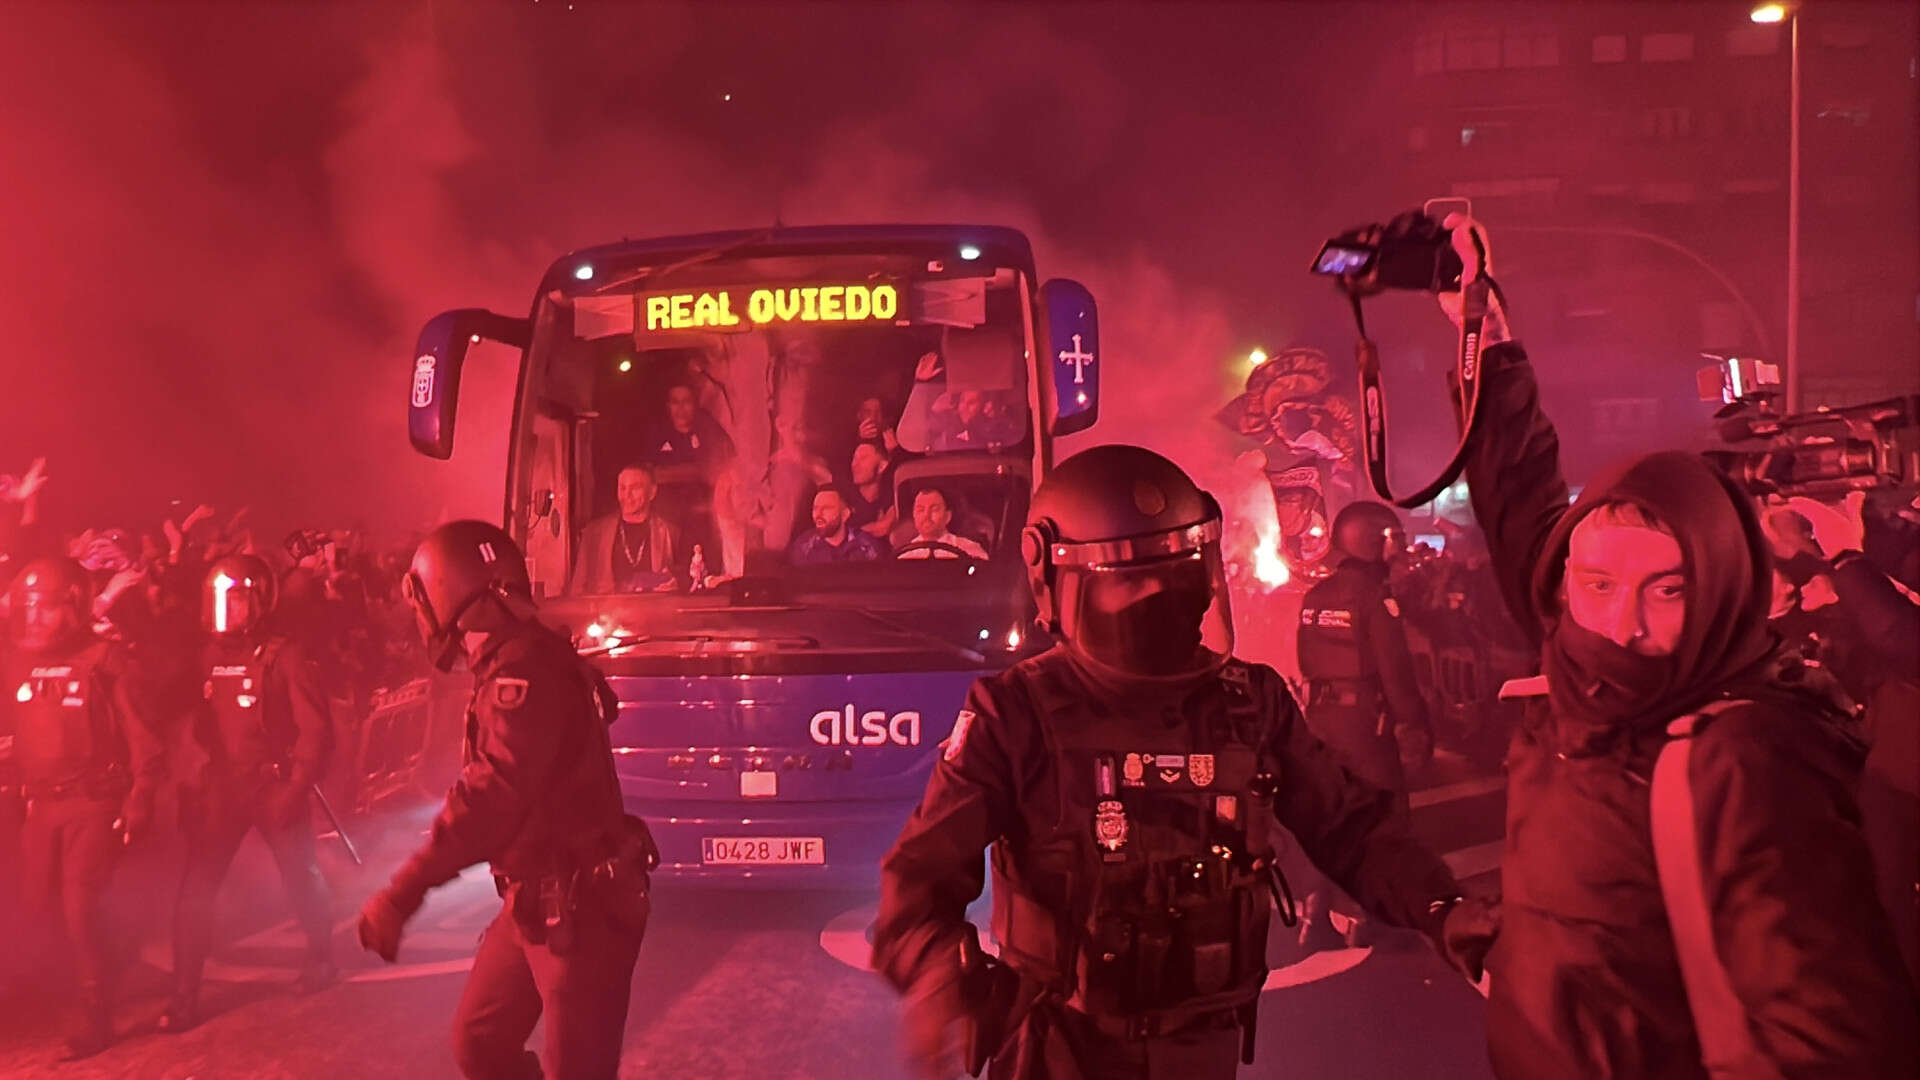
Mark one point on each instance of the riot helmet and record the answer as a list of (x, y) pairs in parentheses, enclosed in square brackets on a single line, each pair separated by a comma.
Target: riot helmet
[(1123, 553), (466, 576), (1368, 531), (50, 601), (237, 594)]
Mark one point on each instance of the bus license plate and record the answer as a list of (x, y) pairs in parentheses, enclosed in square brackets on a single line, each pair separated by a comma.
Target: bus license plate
[(763, 851)]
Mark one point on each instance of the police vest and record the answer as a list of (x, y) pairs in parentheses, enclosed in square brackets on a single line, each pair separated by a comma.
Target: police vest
[(1148, 897), (1330, 648), (64, 729), (240, 739)]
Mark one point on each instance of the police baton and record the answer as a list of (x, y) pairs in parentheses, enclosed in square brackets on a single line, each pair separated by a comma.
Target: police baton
[(334, 820)]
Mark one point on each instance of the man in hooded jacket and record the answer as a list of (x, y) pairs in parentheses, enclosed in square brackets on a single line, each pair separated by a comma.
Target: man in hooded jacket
[(1648, 598)]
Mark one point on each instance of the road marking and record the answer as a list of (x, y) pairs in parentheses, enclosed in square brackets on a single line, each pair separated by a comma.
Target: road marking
[(454, 918), (1465, 789)]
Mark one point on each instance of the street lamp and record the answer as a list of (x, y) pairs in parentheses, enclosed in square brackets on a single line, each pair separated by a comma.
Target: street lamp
[(1790, 14)]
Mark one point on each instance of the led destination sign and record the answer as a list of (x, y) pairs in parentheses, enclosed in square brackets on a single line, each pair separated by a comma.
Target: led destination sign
[(744, 308)]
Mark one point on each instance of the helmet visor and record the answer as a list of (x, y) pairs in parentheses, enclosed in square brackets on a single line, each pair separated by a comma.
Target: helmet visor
[(44, 615), (233, 604), (1164, 618)]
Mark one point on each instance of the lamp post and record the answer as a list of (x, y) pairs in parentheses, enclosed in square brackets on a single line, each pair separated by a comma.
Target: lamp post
[(1790, 14)]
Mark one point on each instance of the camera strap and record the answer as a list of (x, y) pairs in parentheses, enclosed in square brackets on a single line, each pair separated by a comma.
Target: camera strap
[(1475, 299)]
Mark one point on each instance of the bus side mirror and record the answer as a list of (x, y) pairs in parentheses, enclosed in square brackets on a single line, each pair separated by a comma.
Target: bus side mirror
[(438, 356), (1070, 334)]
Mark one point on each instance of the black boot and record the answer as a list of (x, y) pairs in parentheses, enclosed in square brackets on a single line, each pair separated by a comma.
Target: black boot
[(183, 1011), (94, 1032)]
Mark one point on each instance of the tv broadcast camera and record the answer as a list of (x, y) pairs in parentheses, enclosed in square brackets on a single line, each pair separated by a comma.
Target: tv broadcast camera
[(1822, 453)]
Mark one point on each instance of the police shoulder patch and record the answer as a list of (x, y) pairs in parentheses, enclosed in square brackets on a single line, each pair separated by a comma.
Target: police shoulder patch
[(950, 750), (508, 693)]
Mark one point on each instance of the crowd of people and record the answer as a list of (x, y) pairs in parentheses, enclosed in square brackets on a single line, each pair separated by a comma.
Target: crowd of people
[(180, 679), (666, 532)]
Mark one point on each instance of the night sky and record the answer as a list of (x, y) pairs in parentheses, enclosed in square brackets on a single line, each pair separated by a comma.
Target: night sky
[(225, 222)]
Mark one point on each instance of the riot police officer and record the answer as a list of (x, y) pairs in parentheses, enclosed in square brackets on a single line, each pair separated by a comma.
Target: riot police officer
[(1362, 698), (1128, 780), (88, 763), (264, 731), (538, 797)]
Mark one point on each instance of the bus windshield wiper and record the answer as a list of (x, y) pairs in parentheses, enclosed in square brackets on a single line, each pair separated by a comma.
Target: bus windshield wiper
[(658, 272), (904, 630), (617, 643)]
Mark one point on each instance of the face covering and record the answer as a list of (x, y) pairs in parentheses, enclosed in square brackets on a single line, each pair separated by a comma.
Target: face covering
[(1600, 689)]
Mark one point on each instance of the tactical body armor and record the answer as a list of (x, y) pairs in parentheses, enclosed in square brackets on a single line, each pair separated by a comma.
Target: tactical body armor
[(66, 740), (1144, 895)]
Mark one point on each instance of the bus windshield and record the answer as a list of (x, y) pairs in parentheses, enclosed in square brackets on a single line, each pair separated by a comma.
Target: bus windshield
[(815, 419)]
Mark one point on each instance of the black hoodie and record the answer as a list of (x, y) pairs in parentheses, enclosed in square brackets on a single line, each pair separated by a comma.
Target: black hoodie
[(1585, 979)]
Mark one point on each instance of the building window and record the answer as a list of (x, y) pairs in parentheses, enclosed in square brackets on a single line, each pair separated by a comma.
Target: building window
[(1845, 114), (1667, 123), (1473, 50), (1668, 193), (1843, 190), (1753, 41), (1481, 134), (1842, 35), (1655, 48), (1523, 49), (1429, 54), (1609, 48)]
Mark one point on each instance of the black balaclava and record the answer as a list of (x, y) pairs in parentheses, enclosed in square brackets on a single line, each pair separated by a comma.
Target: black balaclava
[(1600, 689)]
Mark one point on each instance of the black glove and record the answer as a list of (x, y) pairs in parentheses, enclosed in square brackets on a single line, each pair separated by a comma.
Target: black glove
[(132, 823), (383, 918), (1468, 934), (932, 1024)]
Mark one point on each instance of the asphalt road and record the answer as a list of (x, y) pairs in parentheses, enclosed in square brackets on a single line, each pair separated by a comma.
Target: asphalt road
[(730, 984)]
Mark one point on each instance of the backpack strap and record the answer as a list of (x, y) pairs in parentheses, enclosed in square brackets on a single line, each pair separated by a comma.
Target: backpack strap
[(1719, 1018)]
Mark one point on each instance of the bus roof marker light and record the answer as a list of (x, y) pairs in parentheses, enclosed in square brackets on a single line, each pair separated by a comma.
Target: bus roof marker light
[(583, 272), (969, 252)]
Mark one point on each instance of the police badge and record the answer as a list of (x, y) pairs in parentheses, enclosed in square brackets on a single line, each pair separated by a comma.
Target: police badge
[(1110, 825), (1133, 770), (1200, 768)]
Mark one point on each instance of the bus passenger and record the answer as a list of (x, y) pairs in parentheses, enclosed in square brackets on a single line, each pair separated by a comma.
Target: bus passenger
[(633, 549)]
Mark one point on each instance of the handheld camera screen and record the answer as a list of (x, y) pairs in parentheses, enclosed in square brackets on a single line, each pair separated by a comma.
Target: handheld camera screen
[(1337, 259)]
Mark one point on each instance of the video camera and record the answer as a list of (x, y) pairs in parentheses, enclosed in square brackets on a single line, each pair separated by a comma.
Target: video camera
[(1825, 452), (1410, 252)]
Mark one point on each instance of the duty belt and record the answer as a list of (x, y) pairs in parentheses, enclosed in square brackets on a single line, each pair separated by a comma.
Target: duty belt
[(607, 869), (1135, 1028), (1345, 692)]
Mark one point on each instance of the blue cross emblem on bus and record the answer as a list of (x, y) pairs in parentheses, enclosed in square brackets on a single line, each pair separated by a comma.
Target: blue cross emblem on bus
[(1071, 324)]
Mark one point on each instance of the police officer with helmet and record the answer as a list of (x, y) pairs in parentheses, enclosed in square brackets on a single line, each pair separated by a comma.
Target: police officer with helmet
[(1362, 698), (88, 762), (265, 734), (539, 799), (1129, 781)]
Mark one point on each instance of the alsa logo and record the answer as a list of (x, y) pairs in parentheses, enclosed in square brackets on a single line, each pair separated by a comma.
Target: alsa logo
[(836, 727)]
